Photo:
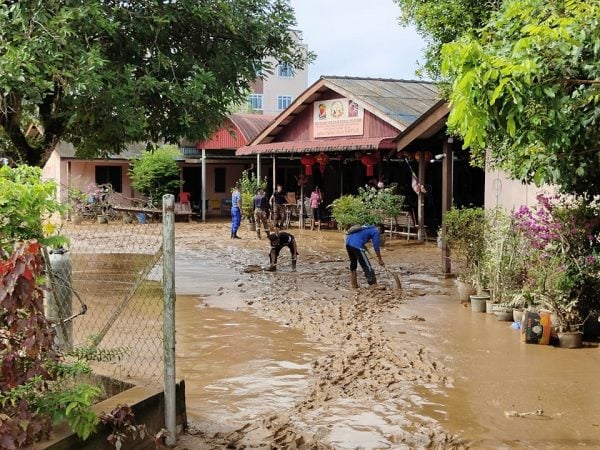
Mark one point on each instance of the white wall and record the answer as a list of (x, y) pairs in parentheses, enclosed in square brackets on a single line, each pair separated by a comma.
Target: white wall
[(510, 194)]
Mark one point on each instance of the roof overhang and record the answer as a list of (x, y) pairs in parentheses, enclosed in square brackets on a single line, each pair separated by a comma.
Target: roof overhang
[(316, 146), (425, 126)]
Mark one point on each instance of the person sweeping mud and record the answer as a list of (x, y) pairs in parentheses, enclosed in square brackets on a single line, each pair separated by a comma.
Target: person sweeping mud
[(356, 240), (279, 240)]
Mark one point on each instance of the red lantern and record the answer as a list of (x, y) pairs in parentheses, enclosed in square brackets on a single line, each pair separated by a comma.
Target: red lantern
[(369, 160), (307, 161), (428, 155), (323, 160)]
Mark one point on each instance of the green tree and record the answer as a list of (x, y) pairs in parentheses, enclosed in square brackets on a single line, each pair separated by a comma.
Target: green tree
[(527, 91), (156, 173), (442, 21), (102, 74), (27, 204)]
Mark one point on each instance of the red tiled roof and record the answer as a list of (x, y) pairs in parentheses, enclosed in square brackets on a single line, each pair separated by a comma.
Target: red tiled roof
[(323, 145)]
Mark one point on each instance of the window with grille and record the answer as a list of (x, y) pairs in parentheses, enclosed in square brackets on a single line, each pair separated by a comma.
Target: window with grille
[(285, 70), (283, 101), (255, 102)]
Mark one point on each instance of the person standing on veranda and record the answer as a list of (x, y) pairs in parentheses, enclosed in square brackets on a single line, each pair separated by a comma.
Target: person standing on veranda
[(315, 202)]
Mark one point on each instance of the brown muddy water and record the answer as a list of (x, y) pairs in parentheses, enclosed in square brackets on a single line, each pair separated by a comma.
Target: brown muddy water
[(496, 375), (238, 366)]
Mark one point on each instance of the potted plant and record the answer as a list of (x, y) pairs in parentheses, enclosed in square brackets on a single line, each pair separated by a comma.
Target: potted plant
[(249, 185), (464, 235), (77, 204), (563, 265), (503, 260), (371, 206)]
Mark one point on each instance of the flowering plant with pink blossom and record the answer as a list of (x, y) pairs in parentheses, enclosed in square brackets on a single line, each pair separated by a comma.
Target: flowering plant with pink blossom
[(563, 263)]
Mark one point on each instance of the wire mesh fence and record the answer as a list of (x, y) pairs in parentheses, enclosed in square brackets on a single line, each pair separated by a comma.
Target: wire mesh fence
[(106, 292)]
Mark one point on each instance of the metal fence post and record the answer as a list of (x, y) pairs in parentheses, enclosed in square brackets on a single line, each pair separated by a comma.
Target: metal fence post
[(169, 316)]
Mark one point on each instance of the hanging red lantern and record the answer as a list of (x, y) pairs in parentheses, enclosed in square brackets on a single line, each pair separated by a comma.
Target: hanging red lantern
[(323, 159), (370, 161), (308, 161), (427, 154)]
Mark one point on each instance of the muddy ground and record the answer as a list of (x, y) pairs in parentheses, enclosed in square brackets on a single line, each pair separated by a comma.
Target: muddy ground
[(363, 368)]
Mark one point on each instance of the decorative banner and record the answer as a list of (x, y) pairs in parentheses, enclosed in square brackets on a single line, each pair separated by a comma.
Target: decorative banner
[(338, 117)]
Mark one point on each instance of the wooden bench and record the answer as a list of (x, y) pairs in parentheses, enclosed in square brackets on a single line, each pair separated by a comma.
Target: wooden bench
[(181, 209), (403, 225)]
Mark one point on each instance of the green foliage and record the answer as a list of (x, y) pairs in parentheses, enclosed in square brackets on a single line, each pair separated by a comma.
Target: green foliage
[(104, 74), (156, 173), (504, 256), (562, 237), (465, 236), (33, 388), (249, 185), (370, 206), (348, 210), (443, 21), (26, 205), (526, 92)]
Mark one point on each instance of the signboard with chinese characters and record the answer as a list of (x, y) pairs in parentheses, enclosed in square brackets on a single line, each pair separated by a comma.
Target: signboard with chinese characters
[(338, 117)]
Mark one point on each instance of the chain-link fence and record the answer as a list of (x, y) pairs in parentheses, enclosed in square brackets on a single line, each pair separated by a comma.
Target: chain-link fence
[(106, 292)]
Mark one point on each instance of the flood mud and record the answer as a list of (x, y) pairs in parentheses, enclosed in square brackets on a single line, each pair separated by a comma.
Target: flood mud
[(299, 360)]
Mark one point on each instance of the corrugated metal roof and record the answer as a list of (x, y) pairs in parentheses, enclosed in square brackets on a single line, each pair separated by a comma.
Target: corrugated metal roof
[(237, 130), (397, 102), (402, 100), (251, 124), (343, 144), (67, 150)]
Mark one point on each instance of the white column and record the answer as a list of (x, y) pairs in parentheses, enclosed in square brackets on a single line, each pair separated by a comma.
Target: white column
[(203, 196)]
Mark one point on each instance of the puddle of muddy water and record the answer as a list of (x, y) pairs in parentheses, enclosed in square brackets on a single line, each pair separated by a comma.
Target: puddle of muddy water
[(236, 366), (494, 372)]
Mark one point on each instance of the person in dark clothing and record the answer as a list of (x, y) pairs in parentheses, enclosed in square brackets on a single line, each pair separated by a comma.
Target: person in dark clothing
[(356, 241), (261, 211), (279, 240), (278, 201)]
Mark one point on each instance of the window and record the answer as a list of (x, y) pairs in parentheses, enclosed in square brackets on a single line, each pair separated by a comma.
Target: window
[(219, 179), (255, 102), (283, 101), (285, 70), (112, 175)]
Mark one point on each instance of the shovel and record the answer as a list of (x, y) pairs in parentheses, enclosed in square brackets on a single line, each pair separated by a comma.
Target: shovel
[(395, 276)]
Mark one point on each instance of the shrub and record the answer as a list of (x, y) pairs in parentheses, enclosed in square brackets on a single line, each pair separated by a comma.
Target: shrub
[(249, 185), (33, 391), (563, 265), (156, 173), (465, 236), (27, 204), (371, 206)]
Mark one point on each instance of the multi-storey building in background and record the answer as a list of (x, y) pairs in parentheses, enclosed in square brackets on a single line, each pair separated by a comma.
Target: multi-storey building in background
[(274, 92)]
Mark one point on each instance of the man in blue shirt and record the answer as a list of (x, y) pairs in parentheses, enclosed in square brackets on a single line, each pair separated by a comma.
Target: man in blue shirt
[(236, 211), (356, 239)]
